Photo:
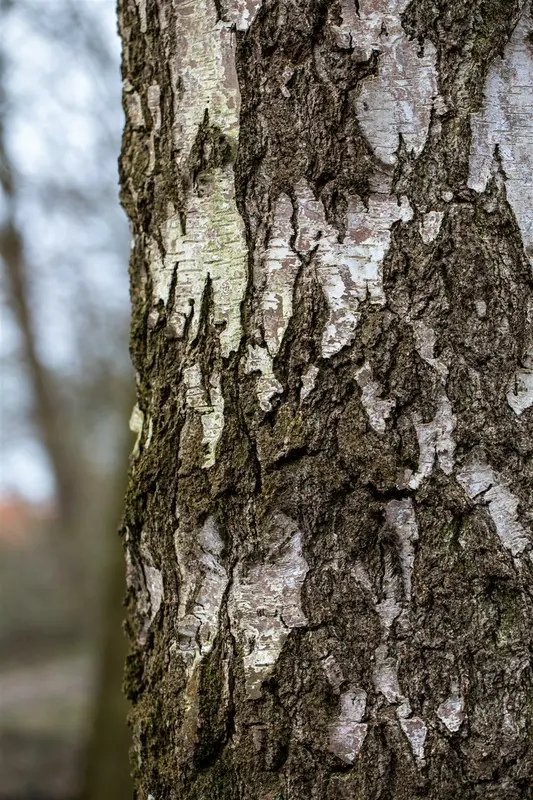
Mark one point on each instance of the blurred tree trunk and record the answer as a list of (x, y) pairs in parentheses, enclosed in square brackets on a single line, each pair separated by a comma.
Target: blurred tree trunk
[(328, 527), (106, 769), (106, 773), (49, 417)]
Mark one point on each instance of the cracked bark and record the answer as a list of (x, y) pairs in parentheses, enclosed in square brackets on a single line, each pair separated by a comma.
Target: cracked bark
[(328, 525)]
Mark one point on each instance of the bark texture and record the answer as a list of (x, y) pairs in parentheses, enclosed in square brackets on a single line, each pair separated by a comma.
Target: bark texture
[(329, 520)]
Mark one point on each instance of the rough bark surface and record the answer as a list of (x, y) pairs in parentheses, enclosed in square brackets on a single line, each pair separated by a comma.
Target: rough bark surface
[(329, 521)]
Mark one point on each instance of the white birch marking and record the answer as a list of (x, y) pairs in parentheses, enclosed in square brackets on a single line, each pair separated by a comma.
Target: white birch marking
[(520, 389), (134, 111), (349, 271), (153, 99), (214, 245), (485, 487), (333, 672), (141, 5), (154, 588), (260, 360), (136, 426), (308, 382), (425, 340), (452, 711), (390, 607), (400, 515), (386, 675), (430, 226), (211, 413), (264, 603), (435, 442), (204, 81), (387, 105), (280, 268), (203, 580), (378, 410), (507, 120), (415, 730), (205, 69), (241, 12), (348, 732), (520, 394)]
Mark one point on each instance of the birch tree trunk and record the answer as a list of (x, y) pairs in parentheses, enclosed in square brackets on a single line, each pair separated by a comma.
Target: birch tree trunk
[(328, 526)]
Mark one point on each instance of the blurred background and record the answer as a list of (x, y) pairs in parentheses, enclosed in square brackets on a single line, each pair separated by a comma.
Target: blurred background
[(66, 392)]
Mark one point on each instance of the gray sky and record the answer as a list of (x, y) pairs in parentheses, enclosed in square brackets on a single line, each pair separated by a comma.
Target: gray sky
[(63, 126)]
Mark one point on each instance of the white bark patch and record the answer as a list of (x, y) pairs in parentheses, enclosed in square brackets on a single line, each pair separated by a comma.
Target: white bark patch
[(507, 121), (485, 487), (280, 268), (401, 517), (154, 588), (259, 360), (435, 442), (209, 406), (333, 672), (452, 711), (203, 581), (387, 105), (214, 246), (153, 98), (136, 426), (430, 226), (141, 5), (308, 382), (386, 675), (349, 271), (205, 69), (348, 732), (520, 389), (390, 607), (154, 584), (213, 242), (378, 410), (520, 396), (425, 340), (264, 603), (416, 731), (481, 308), (134, 110), (242, 12)]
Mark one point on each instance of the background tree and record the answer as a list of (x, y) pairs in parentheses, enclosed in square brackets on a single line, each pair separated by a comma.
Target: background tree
[(328, 525), (65, 401)]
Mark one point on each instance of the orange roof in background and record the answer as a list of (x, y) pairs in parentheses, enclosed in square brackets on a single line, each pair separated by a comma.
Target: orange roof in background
[(20, 520)]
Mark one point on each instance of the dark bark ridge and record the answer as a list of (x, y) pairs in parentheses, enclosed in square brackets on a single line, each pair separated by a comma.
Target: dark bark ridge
[(316, 460)]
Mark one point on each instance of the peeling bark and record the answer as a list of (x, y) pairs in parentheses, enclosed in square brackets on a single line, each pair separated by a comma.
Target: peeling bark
[(329, 521)]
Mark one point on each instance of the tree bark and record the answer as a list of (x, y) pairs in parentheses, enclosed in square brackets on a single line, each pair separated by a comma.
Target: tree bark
[(328, 525)]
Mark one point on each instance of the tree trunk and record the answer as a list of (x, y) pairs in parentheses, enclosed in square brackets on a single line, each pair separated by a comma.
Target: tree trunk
[(328, 524)]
